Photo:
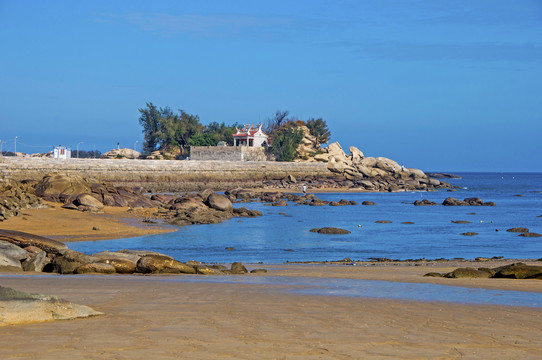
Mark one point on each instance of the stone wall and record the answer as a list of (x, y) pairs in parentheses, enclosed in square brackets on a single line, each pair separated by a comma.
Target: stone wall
[(227, 153), (164, 175)]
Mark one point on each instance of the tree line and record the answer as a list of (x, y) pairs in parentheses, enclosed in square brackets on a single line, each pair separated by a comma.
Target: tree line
[(168, 131)]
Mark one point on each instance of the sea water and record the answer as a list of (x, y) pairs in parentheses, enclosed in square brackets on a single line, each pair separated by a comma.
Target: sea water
[(283, 234)]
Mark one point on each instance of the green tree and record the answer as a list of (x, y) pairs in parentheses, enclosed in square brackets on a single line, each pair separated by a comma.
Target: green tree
[(285, 142), (150, 120), (318, 128), (276, 122), (221, 132), (202, 140)]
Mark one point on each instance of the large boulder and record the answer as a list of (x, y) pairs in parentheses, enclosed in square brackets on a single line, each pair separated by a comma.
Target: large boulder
[(356, 154), (331, 231), (219, 202), (335, 150), (70, 260), (18, 307), (9, 264), (519, 271), (88, 201), (121, 266), (95, 268), (108, 255), (387, 165), (13, 251), (416, 173), (23, 239), (470, 273), (55, 184), (37, 262), (156, 264)]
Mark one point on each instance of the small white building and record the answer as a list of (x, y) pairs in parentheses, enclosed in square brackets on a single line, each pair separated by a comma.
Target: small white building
[(250, 136), (62, 152)]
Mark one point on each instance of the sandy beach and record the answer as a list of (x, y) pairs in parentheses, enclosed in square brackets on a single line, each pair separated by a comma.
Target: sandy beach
[(164, 317)]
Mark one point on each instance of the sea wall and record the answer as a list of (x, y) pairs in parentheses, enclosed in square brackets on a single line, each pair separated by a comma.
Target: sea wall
[(227, 153), (164, 175)]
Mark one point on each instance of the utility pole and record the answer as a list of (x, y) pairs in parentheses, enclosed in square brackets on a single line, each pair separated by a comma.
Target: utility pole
[(15, 146), (78, 148)]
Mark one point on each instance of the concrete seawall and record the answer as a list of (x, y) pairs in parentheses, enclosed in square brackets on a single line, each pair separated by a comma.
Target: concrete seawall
[(164, 175)]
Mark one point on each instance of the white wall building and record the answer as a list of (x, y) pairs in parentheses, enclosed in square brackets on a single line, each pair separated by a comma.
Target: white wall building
[(250, 136), (62, 152)]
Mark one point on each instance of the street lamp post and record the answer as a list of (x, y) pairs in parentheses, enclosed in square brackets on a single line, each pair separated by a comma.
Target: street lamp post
[(15, 147), (1, 152), (78, 148)]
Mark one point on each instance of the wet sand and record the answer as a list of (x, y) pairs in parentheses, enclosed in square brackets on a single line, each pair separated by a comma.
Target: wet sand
[(149, 317), (69, 225)]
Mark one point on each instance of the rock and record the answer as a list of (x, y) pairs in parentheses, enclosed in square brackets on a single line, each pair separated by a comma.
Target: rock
[(141, 253), (204, 195), (335, 150), (258, 271), (9, 264), (243, 211), (369, 162), (107, 255), (519, 271), (366, 202), (206, 270), (416, 173), (331, 231), (518, 230), (157, 264), (322, 157), (219, 202), (424, 202), (450, 201), (387, 165), (434, 274), (356, 154), (469, 273), (460, 222), (124, 153), (530, 234), (36, 263), (71, 260), (292, 178), (121, 266), (470, 233), (383, 222), (238, 268), (407, 222), (489, 203), (19, 308), (23, 239), (56, 184), (12, 251), (474, 201), (95, 268), (88, 200)]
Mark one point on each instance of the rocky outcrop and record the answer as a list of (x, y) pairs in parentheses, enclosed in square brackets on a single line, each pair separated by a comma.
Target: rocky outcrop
[(16, 196), (121, 154), (374, 174), (473, 201), (23, 240)]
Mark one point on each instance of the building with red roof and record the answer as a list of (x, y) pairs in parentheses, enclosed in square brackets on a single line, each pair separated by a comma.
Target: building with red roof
[(250, 135)]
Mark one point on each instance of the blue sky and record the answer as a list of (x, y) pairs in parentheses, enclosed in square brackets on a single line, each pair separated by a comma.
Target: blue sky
[(437, 85)]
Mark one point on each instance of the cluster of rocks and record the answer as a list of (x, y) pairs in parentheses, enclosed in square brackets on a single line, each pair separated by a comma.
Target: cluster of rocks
[(450, 201), (375, 174), (330, 231), (280, 199), (21, 251), (524, 232), (512, 271), (16, 196), (124, 153)]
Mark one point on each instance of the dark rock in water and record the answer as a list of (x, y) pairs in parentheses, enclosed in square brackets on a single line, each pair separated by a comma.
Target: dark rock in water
[(519, 271), (23, 239), (530, 234), (244, 212), (424, 202), (474, 201), (219, 202), (469, 273), (258, 271), (95, 268), (207, 270), (238, 268), (20, 307), (407, 222), (335, 203), (518, 230), (470, 233), (366, 202), (450, 201), (383, 222), (158, 264), (331, 231), (489, 203), (460, 222), (230, 248)]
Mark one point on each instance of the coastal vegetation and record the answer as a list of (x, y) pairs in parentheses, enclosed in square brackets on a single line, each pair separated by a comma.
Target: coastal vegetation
[(174, 133)]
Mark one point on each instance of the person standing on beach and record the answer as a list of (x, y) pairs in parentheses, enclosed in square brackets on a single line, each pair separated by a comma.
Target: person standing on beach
[(304, 189)]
